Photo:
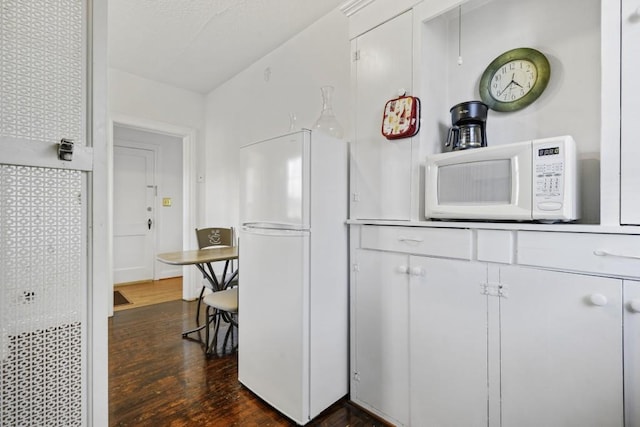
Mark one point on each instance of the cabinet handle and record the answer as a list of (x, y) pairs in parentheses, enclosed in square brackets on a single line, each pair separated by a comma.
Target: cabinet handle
[(410, 239), (598, 299), (634, 305), (600, 252), (414, 271), (417, 271)]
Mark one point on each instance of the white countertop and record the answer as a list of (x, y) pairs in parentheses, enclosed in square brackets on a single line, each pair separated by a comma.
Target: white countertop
[(494, 225)]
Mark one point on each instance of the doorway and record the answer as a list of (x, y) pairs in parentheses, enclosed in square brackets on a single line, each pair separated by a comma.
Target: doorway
[(147, 203), (175, 207)]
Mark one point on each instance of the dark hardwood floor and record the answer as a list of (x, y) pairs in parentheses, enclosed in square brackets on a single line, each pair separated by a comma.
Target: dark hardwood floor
[(156, 378)]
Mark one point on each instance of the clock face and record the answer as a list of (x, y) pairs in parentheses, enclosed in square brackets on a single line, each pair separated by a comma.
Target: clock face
[(513, 80)]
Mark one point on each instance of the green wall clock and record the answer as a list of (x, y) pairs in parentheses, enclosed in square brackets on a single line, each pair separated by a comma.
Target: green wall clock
[(514, 79)]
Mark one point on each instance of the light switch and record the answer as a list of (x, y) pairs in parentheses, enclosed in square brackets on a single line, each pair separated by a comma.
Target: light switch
[(166, 201)]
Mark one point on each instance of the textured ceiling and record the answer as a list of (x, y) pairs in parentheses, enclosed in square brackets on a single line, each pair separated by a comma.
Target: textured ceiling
[(199, 44)]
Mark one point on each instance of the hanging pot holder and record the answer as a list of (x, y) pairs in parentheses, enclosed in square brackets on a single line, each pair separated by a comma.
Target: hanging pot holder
[(401, 117)]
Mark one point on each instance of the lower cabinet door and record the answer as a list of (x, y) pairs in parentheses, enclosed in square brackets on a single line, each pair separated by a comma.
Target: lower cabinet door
[(380, 375), (448, 340), (632, 353), (561, 349)]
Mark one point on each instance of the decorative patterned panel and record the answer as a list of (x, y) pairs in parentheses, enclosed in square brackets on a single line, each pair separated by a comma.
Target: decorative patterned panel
[(42, 70), (42, 296), (43, 280)]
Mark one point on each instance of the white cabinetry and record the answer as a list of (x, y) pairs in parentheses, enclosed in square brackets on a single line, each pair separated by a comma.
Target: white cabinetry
[(560, 349), (630, 147), (530, 366), (604, 254), (380, 360), (632, 352), (512, 345), (600, 47), (380, 326), (380, 169), (448, 343)]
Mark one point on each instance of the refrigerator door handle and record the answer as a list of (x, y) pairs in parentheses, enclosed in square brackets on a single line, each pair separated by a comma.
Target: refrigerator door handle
[(273, 226), (273, 231)]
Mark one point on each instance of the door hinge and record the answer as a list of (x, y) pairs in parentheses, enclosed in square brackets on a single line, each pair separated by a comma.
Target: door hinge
[(356, 197), (356, 267), (500, 290), (356, 55), (356, 376)]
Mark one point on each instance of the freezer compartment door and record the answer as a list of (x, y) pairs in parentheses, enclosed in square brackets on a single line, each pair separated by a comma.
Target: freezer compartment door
[(273, 348), (274, 181)]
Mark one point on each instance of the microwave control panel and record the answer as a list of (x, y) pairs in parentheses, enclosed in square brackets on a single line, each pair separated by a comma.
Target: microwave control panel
[(548, 163)]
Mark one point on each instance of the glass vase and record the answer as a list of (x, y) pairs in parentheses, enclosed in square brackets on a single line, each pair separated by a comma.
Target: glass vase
[(327, 121)]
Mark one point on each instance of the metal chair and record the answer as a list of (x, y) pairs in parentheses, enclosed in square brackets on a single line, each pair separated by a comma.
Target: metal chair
[(221, 306), (222, 303)]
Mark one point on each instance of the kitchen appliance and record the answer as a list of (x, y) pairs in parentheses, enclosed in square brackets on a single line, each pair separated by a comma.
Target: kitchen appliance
[(525, 181), (468, 130), (293, 292)]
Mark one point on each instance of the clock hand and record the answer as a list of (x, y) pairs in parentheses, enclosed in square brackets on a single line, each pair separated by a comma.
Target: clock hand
[(513, 80), (505, 88)]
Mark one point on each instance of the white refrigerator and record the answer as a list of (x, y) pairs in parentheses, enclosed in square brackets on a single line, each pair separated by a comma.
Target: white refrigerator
[(293, 289)]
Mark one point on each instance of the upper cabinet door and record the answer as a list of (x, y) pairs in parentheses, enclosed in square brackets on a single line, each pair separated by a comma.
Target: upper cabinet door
[(381, 169), (630, 149)]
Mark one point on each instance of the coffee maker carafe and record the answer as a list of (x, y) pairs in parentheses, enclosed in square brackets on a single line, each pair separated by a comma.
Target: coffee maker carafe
[(468, 130)]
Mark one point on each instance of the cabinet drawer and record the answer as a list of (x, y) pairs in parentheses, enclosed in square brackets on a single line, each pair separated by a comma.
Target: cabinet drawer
[(441, 242), (495, 246), (609, 254)]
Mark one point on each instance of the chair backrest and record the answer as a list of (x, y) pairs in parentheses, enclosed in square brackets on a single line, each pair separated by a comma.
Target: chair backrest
[(214, 236)]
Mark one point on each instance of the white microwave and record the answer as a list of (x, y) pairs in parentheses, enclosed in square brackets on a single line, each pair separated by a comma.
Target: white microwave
[(524, 181)]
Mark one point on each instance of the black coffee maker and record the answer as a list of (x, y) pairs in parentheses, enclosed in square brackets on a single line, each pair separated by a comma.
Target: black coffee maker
[(468, 130)]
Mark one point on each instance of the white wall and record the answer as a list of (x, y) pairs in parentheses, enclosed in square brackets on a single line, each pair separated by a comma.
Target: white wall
[(148, 99), (256, 103), (569, 105), (152, 102)]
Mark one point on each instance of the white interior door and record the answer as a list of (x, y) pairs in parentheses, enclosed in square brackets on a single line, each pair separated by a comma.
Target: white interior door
[(134, 192)]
